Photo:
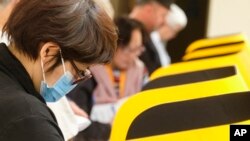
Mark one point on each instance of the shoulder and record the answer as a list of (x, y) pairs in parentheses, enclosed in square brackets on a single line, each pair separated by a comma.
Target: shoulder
[(22, 103), (31, 127), (23, 113)]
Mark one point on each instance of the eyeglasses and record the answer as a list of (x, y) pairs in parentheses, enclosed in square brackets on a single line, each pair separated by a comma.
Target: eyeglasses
[(83, 75)]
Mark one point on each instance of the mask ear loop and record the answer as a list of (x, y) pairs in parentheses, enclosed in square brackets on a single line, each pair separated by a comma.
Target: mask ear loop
[(44, 79), (42, 66), (64, 70)]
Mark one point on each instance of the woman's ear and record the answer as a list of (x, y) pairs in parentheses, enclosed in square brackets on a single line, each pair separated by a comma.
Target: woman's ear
[(49, 51)]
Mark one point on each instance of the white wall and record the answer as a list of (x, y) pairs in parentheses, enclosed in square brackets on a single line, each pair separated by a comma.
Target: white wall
[(228, 16)]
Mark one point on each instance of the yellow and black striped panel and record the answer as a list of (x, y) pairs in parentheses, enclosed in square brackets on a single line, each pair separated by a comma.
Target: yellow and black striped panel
[(211, 53), (216, 42), (190, 115), (218, 50), (190, 77), (214, 133), (241, 60), (194, 92)]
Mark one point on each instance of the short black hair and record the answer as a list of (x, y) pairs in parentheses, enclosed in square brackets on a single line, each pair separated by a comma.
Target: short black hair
[(125, 27), (165, 3)]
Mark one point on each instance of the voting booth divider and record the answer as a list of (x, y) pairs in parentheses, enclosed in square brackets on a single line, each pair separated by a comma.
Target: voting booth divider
[(216, 42), (192, 111), (215, 47), (240, 59), (194, 100)]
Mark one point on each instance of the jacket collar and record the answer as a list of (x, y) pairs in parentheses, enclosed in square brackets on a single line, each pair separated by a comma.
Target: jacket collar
[(16, 71)]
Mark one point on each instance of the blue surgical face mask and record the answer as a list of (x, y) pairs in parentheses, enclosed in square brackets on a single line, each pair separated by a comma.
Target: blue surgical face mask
[(62, 86), (59, 89)]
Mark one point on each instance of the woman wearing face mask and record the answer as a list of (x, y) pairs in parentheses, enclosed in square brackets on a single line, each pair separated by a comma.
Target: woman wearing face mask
[(52, 43)]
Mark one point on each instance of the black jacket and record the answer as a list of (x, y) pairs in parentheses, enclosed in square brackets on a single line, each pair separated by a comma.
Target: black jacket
[(24, 115)]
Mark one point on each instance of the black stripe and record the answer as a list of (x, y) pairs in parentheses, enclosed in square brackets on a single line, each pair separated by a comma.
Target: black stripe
[(191, 114), (218, 45), (211, 56), (190, 77)]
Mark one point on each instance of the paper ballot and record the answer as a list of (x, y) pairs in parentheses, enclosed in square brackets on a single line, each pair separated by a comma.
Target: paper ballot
[(69, 123), (105, 113)]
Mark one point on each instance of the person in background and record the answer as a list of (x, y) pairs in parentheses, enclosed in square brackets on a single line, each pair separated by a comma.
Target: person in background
[(152, 14), (6, 7), (52, 43), (175, 21), (123, 77)]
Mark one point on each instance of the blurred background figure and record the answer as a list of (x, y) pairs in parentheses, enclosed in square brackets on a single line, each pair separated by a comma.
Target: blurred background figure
[(175, 21), (6, 7), (152, 14), (123, 77)]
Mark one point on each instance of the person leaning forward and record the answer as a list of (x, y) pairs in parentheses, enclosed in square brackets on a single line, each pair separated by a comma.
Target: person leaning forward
[(51, 45)]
